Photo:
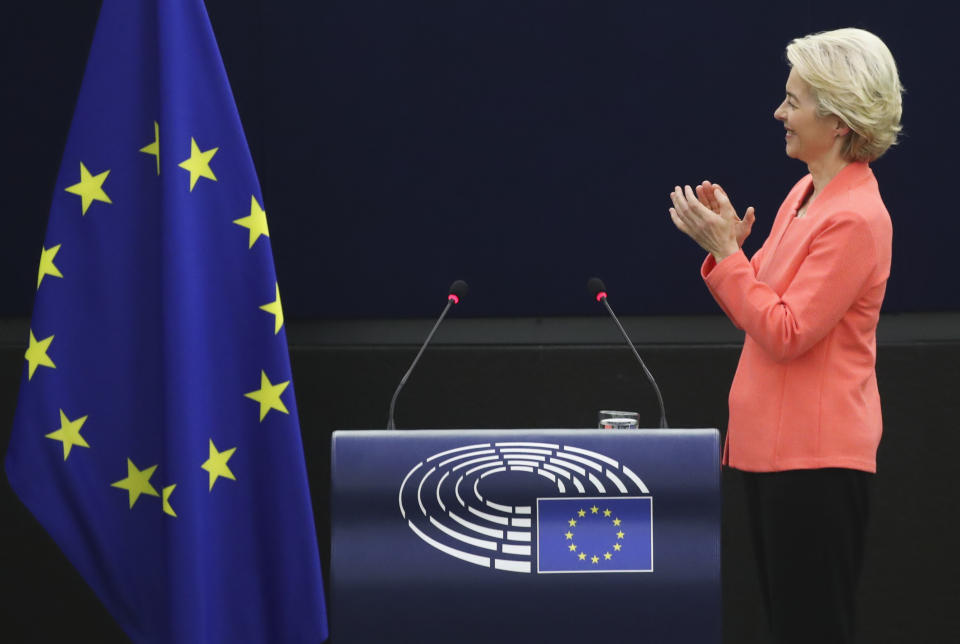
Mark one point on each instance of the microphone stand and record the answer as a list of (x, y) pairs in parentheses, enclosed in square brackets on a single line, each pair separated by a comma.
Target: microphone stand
[(663, 413), (393, 401)]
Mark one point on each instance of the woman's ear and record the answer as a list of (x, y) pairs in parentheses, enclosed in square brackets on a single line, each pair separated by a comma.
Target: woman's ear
[(840, 128)]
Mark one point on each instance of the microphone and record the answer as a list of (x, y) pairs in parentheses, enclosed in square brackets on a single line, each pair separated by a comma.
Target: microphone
[(599, 291), (458, 290)]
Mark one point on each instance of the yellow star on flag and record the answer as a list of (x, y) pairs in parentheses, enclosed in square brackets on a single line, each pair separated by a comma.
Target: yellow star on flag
[(256, 221), (90, 187), (573, 523), (216, 464), (616, 522), (275, 308), (198, 165), (36, 354), (572, 547), (617, 547), (269, 395), (569, 535), (167, 508), (154, 149), (69, 433), (47, 267), (137, 482), (620, 535)]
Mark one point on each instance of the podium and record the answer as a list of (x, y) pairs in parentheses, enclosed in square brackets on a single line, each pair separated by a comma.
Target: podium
[(502, 536)]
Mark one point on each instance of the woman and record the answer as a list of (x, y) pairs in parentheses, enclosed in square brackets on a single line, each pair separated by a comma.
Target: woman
[(804, 408)]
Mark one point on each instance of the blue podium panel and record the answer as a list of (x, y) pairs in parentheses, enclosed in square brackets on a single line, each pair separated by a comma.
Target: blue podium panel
[(527, 536)]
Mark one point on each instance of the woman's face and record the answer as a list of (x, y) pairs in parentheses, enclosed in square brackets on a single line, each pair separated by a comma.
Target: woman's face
[(810, 138)]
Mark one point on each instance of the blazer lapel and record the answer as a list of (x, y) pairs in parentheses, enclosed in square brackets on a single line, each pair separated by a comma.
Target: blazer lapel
[(787, 212)]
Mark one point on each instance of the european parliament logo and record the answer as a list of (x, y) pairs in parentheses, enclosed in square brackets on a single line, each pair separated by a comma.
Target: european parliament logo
[(531, 507)]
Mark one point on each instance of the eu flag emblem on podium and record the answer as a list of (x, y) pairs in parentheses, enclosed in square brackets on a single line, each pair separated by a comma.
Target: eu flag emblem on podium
[(600, 534), (156, 435)]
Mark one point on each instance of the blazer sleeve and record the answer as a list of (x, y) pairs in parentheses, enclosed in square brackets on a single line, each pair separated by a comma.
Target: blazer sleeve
[(839, 264), (710, 263)]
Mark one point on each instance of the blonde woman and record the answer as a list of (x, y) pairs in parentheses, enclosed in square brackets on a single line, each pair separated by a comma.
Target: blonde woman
[(805, 418)]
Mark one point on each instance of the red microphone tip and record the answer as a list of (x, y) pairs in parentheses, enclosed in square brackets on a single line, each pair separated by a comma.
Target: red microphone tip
[(601, 295), (456, 300)]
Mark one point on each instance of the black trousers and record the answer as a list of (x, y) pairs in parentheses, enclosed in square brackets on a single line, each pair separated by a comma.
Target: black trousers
[(808, 534)]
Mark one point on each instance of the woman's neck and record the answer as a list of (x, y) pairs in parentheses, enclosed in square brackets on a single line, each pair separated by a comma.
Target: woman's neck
[(823, 170)]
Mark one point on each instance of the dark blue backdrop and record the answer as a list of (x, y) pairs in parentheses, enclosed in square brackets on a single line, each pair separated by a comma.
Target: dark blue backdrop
[(521, 145)]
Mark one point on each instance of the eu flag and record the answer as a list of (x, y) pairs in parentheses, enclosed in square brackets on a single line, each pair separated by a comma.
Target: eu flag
[(156, 435), (595, 534)]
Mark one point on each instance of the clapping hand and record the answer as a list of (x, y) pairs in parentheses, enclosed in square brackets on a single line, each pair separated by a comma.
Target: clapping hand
[(713, 197), (708, 217)]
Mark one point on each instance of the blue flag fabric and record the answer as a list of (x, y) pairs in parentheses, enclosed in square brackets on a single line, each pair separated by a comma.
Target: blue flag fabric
[(156, 436), (602, 534)]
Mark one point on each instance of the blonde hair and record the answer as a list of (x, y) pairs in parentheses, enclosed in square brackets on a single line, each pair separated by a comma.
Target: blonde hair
[(854, 77)]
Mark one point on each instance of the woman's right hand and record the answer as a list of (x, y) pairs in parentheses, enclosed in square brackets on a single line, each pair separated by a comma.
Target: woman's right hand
[(713, 197)]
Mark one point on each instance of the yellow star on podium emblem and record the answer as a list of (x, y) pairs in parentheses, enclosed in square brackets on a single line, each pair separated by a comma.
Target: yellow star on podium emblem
[(137, 482), (90, 188), (198, 165), (69, 433), (269, 395)]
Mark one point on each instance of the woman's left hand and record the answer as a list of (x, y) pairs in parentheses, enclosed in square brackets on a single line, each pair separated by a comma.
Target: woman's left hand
[(715, 233)]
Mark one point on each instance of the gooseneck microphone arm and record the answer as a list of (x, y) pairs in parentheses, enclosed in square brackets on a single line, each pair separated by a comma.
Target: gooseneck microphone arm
[(598, 290), (457, 290)]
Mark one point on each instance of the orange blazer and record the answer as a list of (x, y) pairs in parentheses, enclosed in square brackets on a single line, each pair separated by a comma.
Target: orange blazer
[(805, 392)]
